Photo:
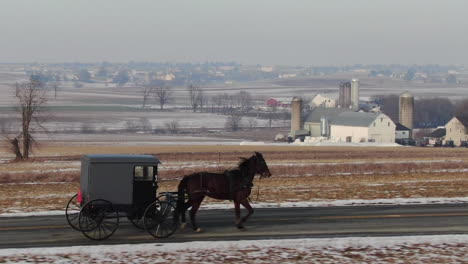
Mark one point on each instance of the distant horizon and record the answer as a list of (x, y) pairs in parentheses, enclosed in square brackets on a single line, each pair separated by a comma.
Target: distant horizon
[(235, 62), (300, 32)]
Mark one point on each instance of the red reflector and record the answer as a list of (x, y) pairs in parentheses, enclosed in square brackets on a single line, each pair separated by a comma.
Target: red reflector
[(80, 197)]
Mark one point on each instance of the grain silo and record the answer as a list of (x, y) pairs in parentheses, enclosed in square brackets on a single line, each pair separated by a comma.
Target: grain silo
[(344, 100), (296, 114), (406, 110), (355, 94)]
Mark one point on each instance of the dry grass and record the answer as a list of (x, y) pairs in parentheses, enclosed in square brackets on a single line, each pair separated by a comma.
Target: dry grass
[(299, 173)]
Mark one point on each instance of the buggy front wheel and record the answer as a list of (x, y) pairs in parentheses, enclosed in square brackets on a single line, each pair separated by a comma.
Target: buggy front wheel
[(72, 212), (160, 219), (98, 220)]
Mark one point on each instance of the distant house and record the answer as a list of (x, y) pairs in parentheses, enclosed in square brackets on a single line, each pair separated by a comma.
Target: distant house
[(402, 132), (279, 102), (362, 127), (457, 130), (324, 101), (436, 137)]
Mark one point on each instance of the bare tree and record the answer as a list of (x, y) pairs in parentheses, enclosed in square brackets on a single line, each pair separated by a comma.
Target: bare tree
[(131, 126), (461, 109), (389, 105), (145, 124), (55, 87), (227, 103), (32, 97), (202, 99), (216, 103), (244, 100), (146, 92), (194, 96), (252, 123), (272, 114), (172, 127), (163, 95), (233, 120)]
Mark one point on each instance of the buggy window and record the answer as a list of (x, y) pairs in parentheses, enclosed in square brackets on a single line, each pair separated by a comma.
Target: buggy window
[(143, 173)]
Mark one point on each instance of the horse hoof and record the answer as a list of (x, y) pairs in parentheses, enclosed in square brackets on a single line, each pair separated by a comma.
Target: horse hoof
[(198, 230), (183, 225)]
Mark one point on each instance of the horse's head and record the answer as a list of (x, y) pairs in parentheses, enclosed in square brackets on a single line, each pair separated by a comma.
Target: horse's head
[(261, 167)]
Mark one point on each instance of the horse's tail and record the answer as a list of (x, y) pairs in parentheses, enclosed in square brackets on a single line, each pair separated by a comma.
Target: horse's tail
[(181, 190)]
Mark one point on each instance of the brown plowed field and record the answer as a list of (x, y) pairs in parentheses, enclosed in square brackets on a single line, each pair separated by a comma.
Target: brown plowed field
[(299, 173)]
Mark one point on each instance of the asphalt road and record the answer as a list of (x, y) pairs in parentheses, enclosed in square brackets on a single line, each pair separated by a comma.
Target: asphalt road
[(271, 223)]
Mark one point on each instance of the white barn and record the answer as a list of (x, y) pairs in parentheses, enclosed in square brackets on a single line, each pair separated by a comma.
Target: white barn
[(362, 127)]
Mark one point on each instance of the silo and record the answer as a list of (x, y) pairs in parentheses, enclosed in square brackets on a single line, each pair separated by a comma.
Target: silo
[(355, 94), (296, 114), (406, 109), (324, 127), (344, 100)]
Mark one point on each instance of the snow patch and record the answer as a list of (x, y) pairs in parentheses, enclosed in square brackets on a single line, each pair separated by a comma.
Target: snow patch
[(318, 203)]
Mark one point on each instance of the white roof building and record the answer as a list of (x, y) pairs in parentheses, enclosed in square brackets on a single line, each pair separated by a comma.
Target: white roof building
[(362, 127)]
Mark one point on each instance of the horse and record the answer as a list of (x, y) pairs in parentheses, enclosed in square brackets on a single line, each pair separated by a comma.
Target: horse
[(235, 185)]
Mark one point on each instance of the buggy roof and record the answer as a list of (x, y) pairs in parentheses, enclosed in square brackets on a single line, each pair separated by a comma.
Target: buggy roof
[(120, 158)]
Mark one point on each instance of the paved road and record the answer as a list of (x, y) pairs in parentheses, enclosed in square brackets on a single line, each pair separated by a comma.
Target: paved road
[(41, 231)]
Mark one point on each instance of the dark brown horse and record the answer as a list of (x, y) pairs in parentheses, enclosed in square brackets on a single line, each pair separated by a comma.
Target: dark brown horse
[(233, 185)]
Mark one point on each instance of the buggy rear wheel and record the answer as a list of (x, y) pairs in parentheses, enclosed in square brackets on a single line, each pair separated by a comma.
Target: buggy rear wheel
[(98, 220), (72, 212), (160, 219)]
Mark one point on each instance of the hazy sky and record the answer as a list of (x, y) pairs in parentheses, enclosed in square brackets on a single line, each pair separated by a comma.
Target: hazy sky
[(307, 32)]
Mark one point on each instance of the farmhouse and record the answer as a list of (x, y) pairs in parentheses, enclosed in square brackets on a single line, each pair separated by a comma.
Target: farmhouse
[(362, 127), (457, 130), (436, 137), (324, 101)]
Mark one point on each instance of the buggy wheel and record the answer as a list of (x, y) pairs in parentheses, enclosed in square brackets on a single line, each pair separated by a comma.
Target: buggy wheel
[(160, 220), (72, 212), (98, 220)]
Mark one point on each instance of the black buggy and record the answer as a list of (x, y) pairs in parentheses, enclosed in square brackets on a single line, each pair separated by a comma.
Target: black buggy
[(112, 186)]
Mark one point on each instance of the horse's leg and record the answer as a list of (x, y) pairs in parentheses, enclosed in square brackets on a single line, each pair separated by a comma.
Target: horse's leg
[(238, 212), (193, 211), (182, 214), (247, 206)]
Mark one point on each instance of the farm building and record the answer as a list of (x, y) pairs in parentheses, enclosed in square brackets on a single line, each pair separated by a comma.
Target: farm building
[(279, 102), (341, 125), (402, 132), (317, 122), (436, 137), (324, 101), (457, 130), (362, 127)]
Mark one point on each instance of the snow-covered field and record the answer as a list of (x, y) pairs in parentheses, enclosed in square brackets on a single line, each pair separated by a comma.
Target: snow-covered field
[(406, 249)]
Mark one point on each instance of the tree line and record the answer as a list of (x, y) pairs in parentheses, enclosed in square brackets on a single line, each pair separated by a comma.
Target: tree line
[(428, 112)]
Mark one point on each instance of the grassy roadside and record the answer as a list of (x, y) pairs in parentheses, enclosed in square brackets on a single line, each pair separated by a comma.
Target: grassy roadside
[(299, 173)]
